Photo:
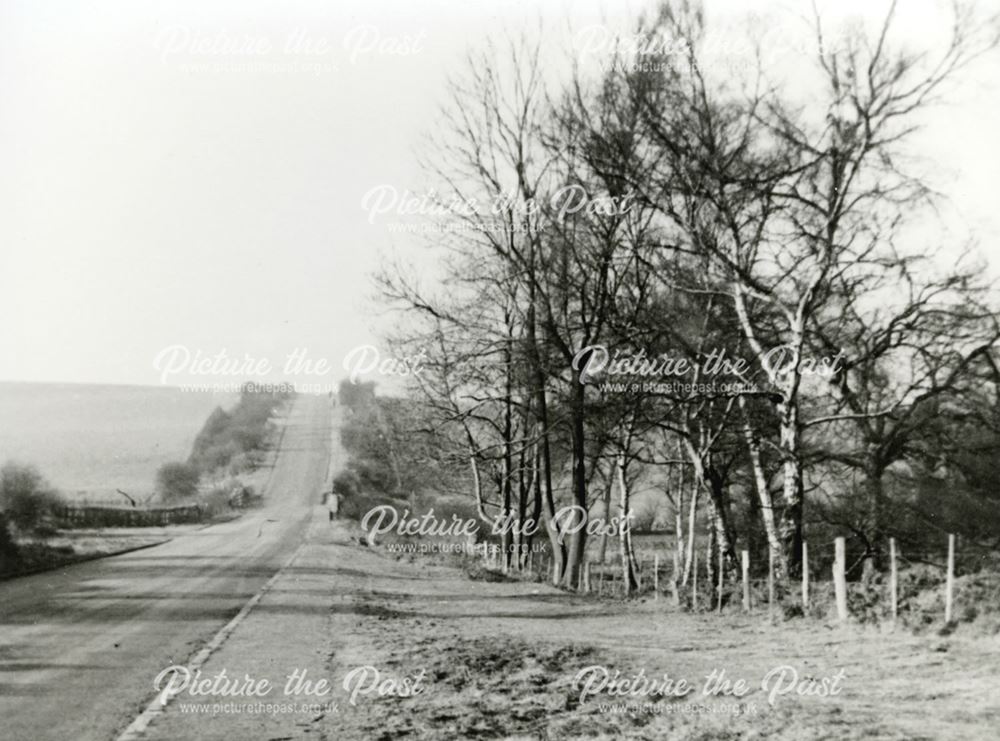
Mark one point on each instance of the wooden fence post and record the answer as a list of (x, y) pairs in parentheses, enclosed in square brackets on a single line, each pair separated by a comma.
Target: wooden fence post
[(770, 583), (708, 571), (694, 579), (805, 577), (722, 577), (745, 558), (950, 581), (840, 578), (656, 576), (675, 580), (893, 583)]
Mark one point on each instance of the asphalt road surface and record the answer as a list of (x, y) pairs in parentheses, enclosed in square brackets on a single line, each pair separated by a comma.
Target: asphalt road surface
[(81, 646)]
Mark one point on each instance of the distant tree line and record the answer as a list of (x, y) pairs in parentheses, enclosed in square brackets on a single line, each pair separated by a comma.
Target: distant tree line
[(229, 441), (391, 458)]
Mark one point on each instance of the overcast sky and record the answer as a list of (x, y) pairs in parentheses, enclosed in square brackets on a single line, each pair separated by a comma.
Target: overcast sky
[(192, 173)]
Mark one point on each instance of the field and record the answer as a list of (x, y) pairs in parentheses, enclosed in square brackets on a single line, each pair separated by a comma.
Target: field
[(88, 440)]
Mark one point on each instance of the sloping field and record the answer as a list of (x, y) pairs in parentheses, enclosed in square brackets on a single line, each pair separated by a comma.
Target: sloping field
[(88, 440)]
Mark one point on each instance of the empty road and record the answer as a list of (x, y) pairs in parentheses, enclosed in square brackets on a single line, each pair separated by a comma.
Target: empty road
[(81, 646)]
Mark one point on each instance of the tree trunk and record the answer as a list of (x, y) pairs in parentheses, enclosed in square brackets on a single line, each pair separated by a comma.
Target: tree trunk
[(689, 556), (544, 492), (523, 492), (763, 494), (679, 516), (788, 380), (713, 546), (711, 479), (875, 491), (578, 539), (603, 550), (542, 411), (792, 488), (536, 487), (629, 567), (724, 534)]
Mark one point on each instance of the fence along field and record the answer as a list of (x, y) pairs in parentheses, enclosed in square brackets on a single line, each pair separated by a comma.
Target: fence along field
[(937, 582), (608, 580), (74, 515), (219, 475)]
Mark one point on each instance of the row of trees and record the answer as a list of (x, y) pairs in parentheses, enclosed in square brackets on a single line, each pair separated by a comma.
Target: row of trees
[(838, 373), (229, 443)]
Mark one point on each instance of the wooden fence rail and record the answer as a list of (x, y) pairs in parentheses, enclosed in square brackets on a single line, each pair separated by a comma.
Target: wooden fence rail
[(78, 516)]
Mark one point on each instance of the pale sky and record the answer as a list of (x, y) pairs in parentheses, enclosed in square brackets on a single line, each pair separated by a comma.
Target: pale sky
[(176, 174)]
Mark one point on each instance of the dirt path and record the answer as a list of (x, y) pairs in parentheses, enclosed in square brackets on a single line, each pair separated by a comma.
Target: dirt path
[(499, 661)]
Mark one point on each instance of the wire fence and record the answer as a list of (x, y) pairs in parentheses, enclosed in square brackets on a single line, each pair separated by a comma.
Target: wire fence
[(80, 516), (717, 585)]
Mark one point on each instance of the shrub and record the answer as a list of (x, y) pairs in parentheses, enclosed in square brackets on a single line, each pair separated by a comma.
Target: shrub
[(214, 456), (356, 396), (242, 497), (242, 463), (346, 484), (644, 515), (446, 508), (176, 481), (217, 500), (26, 498), (9, 556), (215, 426), (228, 436), (373, 475), (357, 507)]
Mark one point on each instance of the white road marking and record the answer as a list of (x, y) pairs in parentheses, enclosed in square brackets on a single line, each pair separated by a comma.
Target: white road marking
[(156, 708)]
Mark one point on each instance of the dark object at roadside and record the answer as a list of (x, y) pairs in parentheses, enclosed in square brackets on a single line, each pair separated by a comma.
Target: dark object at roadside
[(243, 497)]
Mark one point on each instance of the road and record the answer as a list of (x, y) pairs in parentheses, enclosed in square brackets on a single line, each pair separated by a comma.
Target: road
[(81, 646)]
